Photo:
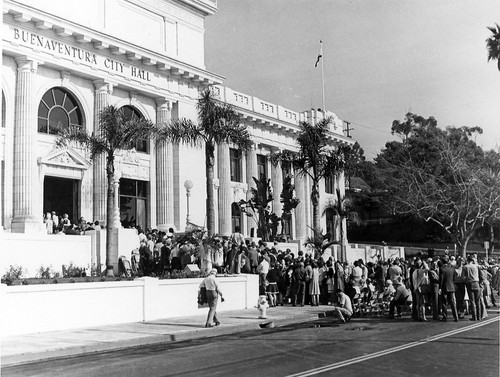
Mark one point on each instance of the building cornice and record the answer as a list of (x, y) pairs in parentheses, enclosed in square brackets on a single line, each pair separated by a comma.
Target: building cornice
[(91, 39), (269, 116), (207, 7)]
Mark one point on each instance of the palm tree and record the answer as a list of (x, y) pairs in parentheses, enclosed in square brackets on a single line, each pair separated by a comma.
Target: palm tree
[(318, 160), (493, 45), (342, 208), (116, 132), (218, 123)]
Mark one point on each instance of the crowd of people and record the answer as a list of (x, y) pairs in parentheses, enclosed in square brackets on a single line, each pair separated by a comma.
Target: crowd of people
[(54, 224), (428, 285)]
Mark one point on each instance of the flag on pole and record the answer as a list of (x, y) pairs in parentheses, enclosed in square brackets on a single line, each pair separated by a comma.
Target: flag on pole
[(320, 55)]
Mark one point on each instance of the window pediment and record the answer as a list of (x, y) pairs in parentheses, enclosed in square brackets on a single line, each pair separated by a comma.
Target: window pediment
[(65, 157)]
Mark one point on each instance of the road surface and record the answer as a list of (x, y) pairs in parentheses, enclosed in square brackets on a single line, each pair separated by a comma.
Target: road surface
[(363, 347)]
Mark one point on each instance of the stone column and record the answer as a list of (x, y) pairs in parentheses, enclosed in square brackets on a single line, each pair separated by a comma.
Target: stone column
[(225, 192), (301, 209), (103, 91), (277, 182), (244, 229), (251, 164), (164, 171), (27, 210)]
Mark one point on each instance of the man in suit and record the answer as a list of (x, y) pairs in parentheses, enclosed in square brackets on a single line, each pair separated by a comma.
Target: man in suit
[(165, 255), (299, 284), (447, 289)]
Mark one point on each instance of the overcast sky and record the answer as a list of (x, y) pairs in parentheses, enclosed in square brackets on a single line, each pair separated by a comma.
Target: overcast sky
[(382, 58)]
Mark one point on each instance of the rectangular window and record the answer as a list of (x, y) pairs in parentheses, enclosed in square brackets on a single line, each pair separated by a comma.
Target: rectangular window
[(330, 185), (262, 166), (287, 227), (133, 203), (235, 158)]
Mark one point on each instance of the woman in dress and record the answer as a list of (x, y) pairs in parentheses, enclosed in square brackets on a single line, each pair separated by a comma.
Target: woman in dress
[(49, 223), (314, 290), (273, 276)]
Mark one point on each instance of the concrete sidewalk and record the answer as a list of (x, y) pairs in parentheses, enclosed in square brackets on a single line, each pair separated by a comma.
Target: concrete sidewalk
[(49, 345)]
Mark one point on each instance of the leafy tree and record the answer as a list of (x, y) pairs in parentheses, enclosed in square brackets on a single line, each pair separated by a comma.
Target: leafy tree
[(444, 177), (493, 44), (116, 132), (218, 123)]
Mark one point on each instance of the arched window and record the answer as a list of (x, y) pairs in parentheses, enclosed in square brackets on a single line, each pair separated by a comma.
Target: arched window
[(58, 109), (235, 216), (141, 145), (330, 223)]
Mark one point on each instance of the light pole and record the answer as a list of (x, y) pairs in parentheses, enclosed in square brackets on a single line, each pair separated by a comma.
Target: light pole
[(188, 185)]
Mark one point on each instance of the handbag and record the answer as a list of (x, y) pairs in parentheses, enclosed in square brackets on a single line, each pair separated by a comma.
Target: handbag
[(202, 296)]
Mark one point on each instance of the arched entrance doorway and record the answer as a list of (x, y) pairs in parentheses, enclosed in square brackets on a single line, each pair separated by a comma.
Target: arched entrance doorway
[(61, 195)]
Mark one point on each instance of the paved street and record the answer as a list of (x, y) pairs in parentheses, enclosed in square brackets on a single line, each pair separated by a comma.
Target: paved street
[(365, 346)]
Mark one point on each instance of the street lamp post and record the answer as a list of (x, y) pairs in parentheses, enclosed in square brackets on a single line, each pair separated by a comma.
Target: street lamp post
[(188, 185)]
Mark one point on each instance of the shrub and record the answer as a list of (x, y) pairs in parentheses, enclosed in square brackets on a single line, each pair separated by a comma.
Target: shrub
[(14, 273), (47, 273), (176, 274), (71, 271)]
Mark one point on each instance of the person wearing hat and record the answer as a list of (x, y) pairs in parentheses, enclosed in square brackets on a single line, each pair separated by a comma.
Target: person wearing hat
[(389, 289), (400, 297), (343, 309), (166, 255), (211, 285)]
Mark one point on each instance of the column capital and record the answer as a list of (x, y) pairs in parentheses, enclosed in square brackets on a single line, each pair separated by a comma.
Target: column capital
[(25, 63), (164, 103), (103, 86)]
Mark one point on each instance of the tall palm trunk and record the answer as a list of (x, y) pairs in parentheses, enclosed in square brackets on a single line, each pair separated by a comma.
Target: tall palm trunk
[(209, 168), (110, 209), (315, 203), (343, 234)]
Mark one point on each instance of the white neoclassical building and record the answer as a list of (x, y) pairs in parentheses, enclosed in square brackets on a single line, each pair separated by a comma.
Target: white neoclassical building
[(62, 62)]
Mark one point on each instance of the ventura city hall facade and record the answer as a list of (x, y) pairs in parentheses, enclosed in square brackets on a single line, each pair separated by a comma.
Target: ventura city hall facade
[(64, 61)]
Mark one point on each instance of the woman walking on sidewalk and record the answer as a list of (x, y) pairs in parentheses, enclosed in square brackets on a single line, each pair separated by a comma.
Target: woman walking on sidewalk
[(211, 284)]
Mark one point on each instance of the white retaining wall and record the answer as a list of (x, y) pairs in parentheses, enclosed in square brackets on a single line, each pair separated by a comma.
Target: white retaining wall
[(40, 308), (84, 251), (37, 250), (369, 252)]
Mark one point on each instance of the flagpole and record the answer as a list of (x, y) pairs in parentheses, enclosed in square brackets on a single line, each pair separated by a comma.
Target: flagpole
[(323, 76), (320, 57)]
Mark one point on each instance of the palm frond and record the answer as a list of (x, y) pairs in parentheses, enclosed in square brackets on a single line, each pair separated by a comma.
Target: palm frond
[(493, 44), (182, 131), (331, 205), (79, 137), (122, 132)]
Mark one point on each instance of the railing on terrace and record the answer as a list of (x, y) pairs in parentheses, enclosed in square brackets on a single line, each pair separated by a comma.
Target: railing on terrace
[(274, 111)]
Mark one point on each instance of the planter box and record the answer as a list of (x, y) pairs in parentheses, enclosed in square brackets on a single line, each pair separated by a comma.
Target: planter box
[(51, 307), (88, 279)]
